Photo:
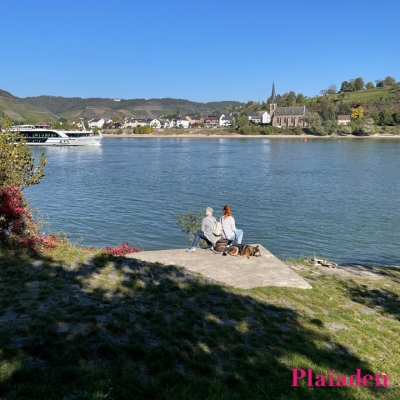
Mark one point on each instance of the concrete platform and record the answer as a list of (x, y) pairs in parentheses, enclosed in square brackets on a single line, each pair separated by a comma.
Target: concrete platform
[(239, 272)]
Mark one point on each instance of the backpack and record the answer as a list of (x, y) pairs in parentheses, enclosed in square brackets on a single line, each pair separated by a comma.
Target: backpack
[(217, 228)]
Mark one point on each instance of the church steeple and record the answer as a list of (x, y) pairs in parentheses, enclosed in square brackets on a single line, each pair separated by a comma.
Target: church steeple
[(272, 104), (273, 95)]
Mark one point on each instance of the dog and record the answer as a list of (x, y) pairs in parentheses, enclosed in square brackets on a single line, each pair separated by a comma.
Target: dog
[(244, 250)]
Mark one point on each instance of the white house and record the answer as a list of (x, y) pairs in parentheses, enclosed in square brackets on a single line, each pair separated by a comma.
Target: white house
[(99, 123), (180, 122), (155, 123), (225, 120), (343, 119), (265, 118)]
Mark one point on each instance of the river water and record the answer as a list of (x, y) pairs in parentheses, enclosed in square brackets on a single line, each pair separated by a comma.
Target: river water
[(339, 198)]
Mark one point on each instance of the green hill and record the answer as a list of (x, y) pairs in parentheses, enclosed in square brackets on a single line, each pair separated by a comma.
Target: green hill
[(75, 107), (366, 95), (52, 108), (21, 110)]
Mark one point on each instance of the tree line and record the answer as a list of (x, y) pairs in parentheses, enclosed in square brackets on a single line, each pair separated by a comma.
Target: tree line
[(356, 84)]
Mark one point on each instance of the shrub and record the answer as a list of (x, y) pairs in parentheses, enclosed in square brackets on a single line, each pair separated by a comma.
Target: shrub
[(16, 221), (17, 166), (298, 131), (190, 221), (269, 130), (121, 250)]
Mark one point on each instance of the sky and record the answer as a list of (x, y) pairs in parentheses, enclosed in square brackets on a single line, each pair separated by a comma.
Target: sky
[(210, 50)]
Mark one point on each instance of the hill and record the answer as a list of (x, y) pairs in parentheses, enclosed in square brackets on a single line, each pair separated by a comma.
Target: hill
[(21, 110), (367, 95), (75, 107), (52, 108)]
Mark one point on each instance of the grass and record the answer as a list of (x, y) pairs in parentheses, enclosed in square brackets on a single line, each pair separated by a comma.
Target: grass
[(369, 94), (76, 324)]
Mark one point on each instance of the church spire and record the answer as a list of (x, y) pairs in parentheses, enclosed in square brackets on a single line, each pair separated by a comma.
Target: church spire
[(273, 95), (272, 103)]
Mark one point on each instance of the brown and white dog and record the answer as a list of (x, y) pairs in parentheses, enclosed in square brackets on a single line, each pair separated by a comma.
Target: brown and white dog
[(244, 250)]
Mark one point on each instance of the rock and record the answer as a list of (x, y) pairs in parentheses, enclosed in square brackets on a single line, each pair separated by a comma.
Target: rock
[(33, 285), (283, 327), (8, 317), (333, 326), (37, 265)]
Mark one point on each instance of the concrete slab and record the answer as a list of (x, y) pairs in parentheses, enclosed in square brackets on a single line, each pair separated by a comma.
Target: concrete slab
[(239, 272)]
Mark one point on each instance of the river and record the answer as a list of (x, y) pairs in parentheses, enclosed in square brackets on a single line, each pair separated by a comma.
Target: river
[(339, 198)]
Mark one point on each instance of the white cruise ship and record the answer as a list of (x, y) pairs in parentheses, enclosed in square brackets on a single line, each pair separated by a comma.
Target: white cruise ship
[(43, 135)]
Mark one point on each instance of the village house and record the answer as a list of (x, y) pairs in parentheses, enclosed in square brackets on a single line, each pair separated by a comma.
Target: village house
[(225, 120), (265, 118), (286, 116), (211, 120), (179, 122), (343, 119), (97, 123), (194, 120)]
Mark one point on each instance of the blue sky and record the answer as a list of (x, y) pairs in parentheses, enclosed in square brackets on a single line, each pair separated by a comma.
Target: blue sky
[(201, 51)]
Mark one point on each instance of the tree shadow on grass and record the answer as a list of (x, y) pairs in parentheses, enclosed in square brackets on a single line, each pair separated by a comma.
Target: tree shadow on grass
[(128, 329), (384, 301)]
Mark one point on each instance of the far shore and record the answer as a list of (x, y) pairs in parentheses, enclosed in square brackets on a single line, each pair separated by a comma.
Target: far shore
[(238, 136)]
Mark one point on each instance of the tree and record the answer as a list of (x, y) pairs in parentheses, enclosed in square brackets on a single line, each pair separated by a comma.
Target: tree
[(357, 113), (331, 126), (359, 84), (332, 89), (375, 117), (369, 85), (327, 111), (344, 109), (363, 126), (300, 100), (385, 117), (314, 121), (244, 128), (389, 81), (396, 117), (17, 166), (347, 86), (291, 99)]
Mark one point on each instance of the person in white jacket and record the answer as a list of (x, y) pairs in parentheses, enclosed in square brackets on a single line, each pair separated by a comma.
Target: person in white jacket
[(206, 231), (229, 230)]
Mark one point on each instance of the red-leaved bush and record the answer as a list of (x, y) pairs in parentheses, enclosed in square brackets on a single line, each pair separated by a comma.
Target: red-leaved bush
[(121, 249), (16, 220), (51, 241)]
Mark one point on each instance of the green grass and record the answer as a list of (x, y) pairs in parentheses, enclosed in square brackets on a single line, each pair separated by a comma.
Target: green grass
[(93, 326), (368, 94)]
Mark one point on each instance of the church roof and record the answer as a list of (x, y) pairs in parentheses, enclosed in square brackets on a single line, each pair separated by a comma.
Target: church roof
[(283, 111)]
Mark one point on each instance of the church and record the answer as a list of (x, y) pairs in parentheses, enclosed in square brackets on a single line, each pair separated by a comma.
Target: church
[(283, 117)]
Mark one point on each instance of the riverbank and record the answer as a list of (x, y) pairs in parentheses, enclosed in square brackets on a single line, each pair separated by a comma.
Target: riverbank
[(195, 135), (75, 324)]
